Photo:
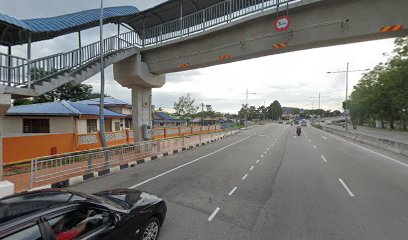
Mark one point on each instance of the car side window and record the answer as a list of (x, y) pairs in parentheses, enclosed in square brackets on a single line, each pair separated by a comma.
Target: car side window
[(78, 223), (30, 233)]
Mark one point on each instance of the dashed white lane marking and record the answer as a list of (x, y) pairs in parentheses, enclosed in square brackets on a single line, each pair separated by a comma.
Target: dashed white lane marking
[(314, 146), (245, 176), (257, 161), (264, 152), (232, 191), (210, 218), (324, 159), (251, 168), (267, 149), (325, 138), (310, 140), (346, 187), (188, 163), (294, 137), (262, 156)]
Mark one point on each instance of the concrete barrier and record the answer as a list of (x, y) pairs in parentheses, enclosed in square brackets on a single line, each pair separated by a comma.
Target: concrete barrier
[(386, 144)]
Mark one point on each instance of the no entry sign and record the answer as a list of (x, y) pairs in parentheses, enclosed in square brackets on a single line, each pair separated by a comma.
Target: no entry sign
[(282, 23)]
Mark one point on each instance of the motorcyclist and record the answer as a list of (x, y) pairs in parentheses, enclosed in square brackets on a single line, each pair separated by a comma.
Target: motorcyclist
[(298, 130)]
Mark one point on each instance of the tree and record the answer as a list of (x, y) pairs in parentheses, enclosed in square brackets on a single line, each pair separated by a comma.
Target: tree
[(67, 92), (382, 93), (274, 111), (185, 106)]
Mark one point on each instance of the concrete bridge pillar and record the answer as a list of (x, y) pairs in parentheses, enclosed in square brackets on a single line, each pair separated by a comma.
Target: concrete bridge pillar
[(135, 74), (6, 187)]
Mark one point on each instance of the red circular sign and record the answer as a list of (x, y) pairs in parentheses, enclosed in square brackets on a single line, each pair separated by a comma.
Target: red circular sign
[(282, 23)]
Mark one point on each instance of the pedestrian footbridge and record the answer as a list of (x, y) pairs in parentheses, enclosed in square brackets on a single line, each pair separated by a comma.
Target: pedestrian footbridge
[(180, 35)]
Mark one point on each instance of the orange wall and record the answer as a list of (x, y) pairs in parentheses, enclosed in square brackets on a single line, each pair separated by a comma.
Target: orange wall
[(27, 147)]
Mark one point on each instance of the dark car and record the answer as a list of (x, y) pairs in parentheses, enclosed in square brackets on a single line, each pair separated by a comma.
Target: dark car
[(59, 214)]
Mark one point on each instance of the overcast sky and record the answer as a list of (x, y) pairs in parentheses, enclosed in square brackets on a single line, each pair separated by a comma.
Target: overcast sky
[(290, 78)]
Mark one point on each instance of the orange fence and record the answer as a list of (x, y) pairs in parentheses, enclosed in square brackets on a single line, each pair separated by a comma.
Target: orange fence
[(165, 132), (25, 148)]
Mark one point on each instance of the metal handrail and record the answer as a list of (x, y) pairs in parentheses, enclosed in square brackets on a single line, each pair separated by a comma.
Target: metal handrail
[(21, 71)]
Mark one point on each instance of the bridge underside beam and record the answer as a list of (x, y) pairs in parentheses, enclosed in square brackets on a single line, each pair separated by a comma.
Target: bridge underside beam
[(317, 24)]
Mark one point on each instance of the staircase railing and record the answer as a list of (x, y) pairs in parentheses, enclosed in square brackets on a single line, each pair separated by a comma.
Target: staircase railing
[(24, 72)]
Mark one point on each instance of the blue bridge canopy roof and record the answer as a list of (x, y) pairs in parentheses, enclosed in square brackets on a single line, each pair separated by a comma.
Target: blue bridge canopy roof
[(15, 31)]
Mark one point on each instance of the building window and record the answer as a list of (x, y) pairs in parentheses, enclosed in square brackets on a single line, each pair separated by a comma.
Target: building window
[(91, 126), (117, 126), (36, 126), (128, 123)]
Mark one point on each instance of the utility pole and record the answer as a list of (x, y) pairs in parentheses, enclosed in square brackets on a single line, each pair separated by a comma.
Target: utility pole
[(102, 97), (202, 113), (346, 110)]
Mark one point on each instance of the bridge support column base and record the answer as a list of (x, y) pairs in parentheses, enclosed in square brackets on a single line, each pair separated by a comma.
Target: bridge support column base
[(141, 110), (5, 102)]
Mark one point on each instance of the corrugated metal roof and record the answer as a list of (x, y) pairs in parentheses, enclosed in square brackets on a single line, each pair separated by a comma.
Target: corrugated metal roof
[(14, 31), (108, 101), (163, 116), (59, 109)]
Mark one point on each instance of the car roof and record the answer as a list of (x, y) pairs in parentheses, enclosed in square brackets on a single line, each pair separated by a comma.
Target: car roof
[(26, 204)]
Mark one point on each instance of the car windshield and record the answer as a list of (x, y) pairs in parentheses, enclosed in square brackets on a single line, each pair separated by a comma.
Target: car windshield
[(208, 119)]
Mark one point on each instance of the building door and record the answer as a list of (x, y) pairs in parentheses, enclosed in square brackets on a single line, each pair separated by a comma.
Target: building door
[(108, 125)]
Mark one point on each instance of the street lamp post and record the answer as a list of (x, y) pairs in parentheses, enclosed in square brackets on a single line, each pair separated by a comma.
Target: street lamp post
[(346, 110), (246, 106)]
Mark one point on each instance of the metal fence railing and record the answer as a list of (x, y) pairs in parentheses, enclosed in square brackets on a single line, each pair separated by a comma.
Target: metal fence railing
[(52, 169)]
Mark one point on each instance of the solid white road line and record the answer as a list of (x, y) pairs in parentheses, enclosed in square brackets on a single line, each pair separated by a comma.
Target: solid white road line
[(245, 176), (324, 159), (257, 161), (347, 188), (232, 191), (314, 146), (188, 163), (325, 138), (251, 168), (371, 151), (210, 218)]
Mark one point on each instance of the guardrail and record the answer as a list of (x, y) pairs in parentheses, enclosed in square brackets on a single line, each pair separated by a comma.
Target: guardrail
[(45, 170)]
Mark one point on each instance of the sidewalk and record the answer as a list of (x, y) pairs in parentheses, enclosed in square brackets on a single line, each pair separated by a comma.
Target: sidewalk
[(58, 169), (377, 133)]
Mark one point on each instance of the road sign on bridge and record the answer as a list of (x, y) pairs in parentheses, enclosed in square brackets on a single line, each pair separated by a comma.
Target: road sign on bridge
[(282, 23)]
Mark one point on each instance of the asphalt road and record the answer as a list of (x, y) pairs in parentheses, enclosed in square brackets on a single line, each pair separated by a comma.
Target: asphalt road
[(266, 183)]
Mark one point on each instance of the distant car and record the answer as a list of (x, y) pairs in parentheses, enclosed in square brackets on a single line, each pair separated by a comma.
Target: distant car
[(287, 123), (296, 122), (303, 123), (328, 123), (63, 214), (280, 122)]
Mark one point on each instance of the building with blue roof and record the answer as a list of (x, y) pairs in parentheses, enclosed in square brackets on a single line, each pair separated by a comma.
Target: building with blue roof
[(60, 118)]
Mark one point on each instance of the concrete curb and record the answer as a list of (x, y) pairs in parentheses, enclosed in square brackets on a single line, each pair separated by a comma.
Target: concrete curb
[(385, 144), (78, 179)]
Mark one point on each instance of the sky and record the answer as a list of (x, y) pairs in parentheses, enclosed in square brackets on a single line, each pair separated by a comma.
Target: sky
[(295, 79)]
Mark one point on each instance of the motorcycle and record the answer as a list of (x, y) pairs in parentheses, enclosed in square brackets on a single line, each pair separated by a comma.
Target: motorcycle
[(298, 131)]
